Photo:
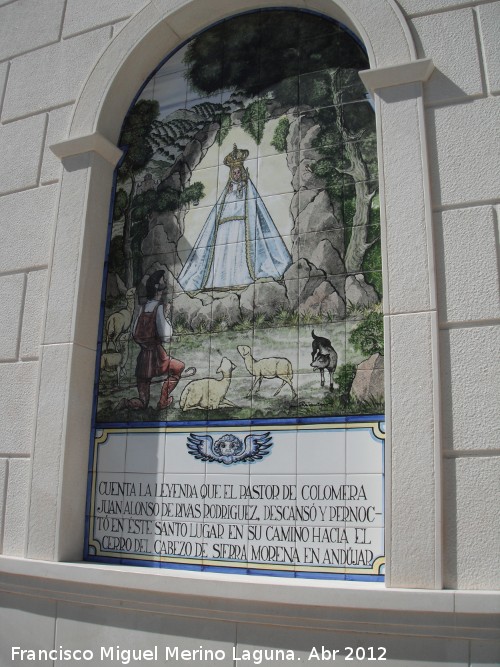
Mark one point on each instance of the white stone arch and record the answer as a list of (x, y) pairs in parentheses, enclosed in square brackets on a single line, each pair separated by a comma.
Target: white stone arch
[(89, 155), (162, 25)]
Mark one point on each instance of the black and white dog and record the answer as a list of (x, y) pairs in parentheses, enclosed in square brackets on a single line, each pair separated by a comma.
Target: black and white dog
[(323, 357)]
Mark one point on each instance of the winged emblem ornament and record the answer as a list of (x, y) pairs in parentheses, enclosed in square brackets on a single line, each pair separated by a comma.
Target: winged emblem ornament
[(229, 449)]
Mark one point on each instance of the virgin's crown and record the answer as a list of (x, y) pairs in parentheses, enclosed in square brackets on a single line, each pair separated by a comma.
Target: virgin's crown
[(236, 157)]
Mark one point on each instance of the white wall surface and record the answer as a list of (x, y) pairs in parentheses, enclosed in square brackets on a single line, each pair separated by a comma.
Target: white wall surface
[(48, 50)]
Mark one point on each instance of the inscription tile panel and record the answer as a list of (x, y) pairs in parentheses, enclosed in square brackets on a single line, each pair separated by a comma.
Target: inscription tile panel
[(235, 513)]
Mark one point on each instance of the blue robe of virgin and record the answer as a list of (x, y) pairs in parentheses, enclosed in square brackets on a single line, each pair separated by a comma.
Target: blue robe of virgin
[(239, 243)]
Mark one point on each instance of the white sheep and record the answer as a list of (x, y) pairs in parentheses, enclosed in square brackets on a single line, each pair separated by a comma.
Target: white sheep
[(119, 323), (269, 367), (115, 362), (209, 393)]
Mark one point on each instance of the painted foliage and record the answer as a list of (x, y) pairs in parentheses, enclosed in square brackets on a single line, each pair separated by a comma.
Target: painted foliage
[(244, 272)]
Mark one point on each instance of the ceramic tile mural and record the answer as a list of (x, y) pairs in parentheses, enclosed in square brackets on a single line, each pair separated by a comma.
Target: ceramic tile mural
[(239, 408)]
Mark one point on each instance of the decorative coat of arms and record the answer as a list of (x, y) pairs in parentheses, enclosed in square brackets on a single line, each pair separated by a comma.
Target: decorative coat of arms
[(229, 449)]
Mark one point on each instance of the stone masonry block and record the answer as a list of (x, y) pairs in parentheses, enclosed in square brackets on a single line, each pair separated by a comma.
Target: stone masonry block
[(53, 75), (67, 247), (26, 25), (80, 16), (27, 223), (412, 7), (93, 254), (48, 451), (468, 280), (73, 477), (16, 507), (21, 147), (11, 298), (34, 308), (489, 20), (485, 654), (78, 258), (464, 151), (450, 40), (470, 366), (407, 253), (412, 452), (26, 618), (92, 625), (431, 651), (472, 523), (18, 391), (57, 130)]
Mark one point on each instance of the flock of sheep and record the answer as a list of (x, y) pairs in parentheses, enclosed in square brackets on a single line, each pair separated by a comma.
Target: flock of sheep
[(210, 393)]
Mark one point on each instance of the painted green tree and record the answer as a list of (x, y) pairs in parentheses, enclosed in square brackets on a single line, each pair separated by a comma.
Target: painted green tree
[(139, 150), (144, 136)]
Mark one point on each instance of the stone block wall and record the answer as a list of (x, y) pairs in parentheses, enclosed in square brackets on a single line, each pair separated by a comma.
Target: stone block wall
[(44, 62), (463, 117)]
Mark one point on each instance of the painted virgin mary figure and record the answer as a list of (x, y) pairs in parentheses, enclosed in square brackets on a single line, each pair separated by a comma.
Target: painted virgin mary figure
[(239, 242)]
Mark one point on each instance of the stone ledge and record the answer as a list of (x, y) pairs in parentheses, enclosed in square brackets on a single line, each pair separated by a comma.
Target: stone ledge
[(95, 142), (397, 75), (311, 604)]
